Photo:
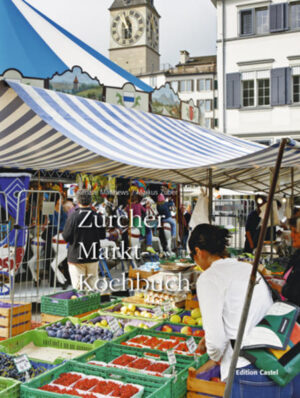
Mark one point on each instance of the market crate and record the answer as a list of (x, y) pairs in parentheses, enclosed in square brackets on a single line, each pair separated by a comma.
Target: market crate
[(124, 321), (114, 311), (191, 301), (21, 318), (111, 351), (9, 388), (155, 387), (177, 327), (164, 335), (199, 388), (69, 307), (135, 273), (39, 338)]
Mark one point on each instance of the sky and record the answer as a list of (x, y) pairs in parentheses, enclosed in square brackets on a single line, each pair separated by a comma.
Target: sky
[(184, 25)]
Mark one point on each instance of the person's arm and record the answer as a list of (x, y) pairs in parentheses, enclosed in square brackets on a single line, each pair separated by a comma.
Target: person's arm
[(211, 301), (250, 240), (101, 231), (68, 232)]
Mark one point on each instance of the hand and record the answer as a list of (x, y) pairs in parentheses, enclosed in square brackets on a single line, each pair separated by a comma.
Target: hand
[(202, 346)]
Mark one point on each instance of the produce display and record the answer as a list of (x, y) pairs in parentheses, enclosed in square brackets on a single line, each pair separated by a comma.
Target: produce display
[(178, 328), (81, 385), (133, 362), (78, 332), (136, 311), (124, 323), (9, 369), (176, 343), (191, 318), (160, 298)]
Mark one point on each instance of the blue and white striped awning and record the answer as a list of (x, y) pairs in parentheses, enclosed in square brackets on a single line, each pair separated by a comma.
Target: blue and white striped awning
[(37, 47), (44, 129)]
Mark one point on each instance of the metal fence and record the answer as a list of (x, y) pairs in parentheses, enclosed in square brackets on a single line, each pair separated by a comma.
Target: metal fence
[(32, 252), (232, 214)]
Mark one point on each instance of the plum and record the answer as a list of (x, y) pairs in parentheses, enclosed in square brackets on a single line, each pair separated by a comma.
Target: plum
[(69, 324), (51, 333), (59, 334)]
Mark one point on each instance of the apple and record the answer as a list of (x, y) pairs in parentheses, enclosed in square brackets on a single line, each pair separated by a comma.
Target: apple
[(131, 307), (198, 333), (195, 313), (188, 320), (124, 309), (167, 328), (199, 322), (187, 330), (103, 322), (175, 319)]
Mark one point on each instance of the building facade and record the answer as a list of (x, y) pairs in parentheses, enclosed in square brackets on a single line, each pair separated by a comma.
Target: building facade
[(134, 35), (258, 50), (193, 78)]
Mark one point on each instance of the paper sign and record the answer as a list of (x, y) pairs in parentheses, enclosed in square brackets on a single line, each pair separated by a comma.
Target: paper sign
[(114, 325), (192, 345), (171, 357), (48, 208), (22, 363), (168, 307), (158, 312)]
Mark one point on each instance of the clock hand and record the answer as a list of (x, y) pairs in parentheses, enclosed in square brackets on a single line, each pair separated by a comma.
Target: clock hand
[(123, 19)]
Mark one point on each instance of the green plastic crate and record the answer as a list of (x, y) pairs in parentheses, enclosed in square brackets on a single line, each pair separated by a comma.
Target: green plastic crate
[(109, 311), (70, 307), (40, 339), (176, 327), (155, 387), (152, 333), (9, 388), (125, 320), (111, 351)]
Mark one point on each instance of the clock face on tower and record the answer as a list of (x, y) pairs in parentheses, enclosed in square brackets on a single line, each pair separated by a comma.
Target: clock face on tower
[(127, 27), (152, 31)]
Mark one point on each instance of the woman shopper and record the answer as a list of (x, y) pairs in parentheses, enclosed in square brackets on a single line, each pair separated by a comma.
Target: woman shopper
[(221, 291)]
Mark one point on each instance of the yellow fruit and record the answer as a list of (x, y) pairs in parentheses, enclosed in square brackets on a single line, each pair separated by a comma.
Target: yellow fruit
[(74, 297), (189, 320), (131, 307), (175, 319), (196, 313), (124, 309), (137, 313), (140, 295), (199, 322), (148, 315), (103, 322)]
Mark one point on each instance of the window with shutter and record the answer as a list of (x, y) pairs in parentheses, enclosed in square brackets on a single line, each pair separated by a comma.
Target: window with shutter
[(246, 22), (278, 17), (295, 15), (233, 90)]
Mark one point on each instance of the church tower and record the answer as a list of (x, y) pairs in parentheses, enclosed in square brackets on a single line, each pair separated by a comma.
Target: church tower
[(134, 35)]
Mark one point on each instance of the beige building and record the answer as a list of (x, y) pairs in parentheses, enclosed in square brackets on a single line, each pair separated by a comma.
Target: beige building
[(192, 78)]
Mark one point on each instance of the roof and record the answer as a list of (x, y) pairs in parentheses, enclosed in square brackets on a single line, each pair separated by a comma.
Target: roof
[(35, 45), (44, 129), (201, 60)]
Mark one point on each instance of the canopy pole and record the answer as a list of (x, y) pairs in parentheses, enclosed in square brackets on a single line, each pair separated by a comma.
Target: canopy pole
[(272, 222), (210, 196), (292, 189), (252, 280)]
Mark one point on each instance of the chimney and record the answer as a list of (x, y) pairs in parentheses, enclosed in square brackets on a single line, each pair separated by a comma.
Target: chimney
[(184, 56)]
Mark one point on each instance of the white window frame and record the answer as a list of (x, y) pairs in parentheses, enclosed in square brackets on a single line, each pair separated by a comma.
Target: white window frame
[(255, 76)]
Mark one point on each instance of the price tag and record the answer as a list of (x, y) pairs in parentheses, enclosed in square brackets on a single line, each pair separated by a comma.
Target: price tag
[(114, 325), (158, 312), (192, 345), (168, 307), (22, 363), (171, 357)]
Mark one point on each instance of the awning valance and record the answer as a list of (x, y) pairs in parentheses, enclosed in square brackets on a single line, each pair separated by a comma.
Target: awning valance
[(44, 129)]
